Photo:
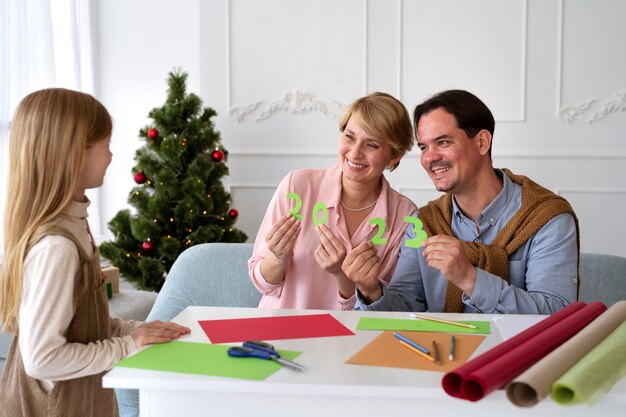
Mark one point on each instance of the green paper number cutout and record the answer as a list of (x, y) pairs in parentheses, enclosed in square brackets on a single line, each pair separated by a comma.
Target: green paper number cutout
[(319, 206), (378, 239), (294, 211), (420, 234)]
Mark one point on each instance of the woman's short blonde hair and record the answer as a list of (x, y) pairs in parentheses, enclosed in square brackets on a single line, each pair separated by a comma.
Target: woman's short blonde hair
[(385, 118)]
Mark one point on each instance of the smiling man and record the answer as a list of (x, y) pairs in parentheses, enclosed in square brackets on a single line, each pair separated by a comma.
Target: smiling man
[(497, 242)]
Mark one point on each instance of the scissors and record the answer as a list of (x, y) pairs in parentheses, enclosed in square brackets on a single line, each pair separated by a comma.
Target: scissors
[(262, 350)]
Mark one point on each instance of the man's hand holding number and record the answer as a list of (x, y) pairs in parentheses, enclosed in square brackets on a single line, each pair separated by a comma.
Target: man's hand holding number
[(446, 254)]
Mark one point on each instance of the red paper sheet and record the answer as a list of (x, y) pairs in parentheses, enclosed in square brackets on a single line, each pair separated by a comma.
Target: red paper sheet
[(273, 328), (494, 368)]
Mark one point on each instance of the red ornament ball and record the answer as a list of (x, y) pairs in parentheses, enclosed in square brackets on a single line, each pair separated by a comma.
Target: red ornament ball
[(153, 133), (140, 177), (232, 213), (147, 246), (217, 155)]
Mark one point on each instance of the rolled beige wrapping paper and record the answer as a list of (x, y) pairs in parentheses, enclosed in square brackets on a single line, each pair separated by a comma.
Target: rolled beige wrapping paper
[(535, 383)]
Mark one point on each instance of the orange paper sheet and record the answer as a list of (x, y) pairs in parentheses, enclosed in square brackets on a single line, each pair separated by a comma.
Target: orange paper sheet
[(387, 351)]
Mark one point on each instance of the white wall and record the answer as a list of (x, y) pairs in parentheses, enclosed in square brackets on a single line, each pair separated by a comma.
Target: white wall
[(278, 72), (140, 42)]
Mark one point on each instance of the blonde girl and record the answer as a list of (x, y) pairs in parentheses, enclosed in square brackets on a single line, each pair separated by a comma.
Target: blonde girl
[(51, 292)]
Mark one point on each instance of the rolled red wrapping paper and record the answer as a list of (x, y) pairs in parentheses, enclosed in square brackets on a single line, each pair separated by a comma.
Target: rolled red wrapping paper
[(502, 370), (453, 381)]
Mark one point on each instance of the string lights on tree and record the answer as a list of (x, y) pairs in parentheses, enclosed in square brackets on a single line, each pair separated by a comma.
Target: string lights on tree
[(179, 199)]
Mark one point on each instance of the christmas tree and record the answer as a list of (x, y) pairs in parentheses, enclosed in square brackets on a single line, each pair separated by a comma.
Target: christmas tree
[(179, 200)]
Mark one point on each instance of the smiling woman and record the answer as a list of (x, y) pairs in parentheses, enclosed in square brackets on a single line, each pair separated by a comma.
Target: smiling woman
[(39, 49), (319, 216)]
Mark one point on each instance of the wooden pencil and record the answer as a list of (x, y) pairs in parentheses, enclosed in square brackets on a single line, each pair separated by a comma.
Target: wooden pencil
[(453, 323), (412, 349)]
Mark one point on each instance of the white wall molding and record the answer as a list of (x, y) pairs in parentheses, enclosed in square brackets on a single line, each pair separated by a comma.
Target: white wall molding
[(570, 113), (250, 186), (605, 191), (297, 102), (593, 109), (606, 106), (282, 152), (613, 105)]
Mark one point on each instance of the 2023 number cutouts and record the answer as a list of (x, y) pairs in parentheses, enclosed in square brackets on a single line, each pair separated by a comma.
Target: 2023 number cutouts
[(320, 216)]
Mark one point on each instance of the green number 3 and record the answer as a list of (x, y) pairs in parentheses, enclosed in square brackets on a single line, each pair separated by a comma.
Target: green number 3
[(420, 234)]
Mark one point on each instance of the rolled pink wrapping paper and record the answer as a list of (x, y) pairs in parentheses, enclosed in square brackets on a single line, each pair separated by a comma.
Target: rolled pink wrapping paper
[(535, 383), (452, 381), (501, 370)]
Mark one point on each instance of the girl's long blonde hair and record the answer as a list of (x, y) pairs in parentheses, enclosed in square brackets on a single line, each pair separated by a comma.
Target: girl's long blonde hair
[(49, 134)]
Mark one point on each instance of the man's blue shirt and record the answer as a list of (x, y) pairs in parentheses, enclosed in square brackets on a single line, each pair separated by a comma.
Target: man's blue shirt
[(542, 272)]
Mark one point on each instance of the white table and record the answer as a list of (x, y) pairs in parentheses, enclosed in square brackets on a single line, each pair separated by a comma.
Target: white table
[(329, 386)]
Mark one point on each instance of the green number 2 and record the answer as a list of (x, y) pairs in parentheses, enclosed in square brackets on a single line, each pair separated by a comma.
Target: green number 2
[(378, 239), (294, 211), (420, 234)]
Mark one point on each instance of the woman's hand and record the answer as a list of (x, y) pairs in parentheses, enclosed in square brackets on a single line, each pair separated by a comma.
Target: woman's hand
[(280, 241), (281, 238), (329, 255), (158, 332), (362, 266)]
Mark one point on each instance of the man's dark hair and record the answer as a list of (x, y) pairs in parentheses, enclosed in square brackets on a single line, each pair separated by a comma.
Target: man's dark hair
[(471, 114)]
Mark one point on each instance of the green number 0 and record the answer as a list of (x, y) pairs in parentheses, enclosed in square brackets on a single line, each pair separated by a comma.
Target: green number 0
[(378, 239), (294, 211), (420, 234), (319, 206)]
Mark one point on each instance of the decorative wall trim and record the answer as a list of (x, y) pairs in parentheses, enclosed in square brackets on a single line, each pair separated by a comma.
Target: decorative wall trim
[(418, 188), (561, 191), (429, 188), (524, 61), (239, 113), (282, 152), (247, 185), (614, 105), (569, 113), (605, 107), (293, 102)]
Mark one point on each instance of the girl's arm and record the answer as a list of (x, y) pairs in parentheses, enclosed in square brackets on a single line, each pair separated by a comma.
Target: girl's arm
[(46, 312), (121, 327)]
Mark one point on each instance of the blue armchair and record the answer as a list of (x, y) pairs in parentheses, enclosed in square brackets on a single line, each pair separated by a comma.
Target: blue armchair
[(602, 278)]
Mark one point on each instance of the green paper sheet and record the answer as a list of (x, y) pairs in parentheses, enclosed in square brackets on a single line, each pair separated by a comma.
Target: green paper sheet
[(203, 359), (371, 323), (591, 377)]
